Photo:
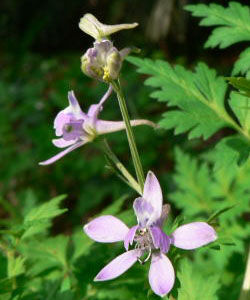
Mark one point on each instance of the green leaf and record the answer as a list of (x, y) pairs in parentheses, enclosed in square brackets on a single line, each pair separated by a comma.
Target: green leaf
[(218, 213), (46, 254), (230, 151), (200, 191), (194, 285), (241, 107), (242, 84), (81, 245), (6, 285), (199, 96), (15, 265), (39, 218), (242, 65), (194, 185), (233, 22)]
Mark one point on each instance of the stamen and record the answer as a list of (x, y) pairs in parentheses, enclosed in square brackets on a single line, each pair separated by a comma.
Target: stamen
[(142, 262), (149, 255)]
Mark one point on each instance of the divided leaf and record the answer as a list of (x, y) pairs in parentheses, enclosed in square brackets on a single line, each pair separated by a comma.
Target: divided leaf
[(201, 192), (199, 97), (233, 22), (39, 218)]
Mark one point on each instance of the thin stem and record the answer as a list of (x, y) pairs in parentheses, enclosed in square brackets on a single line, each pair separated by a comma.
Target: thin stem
[(130, 134), (245, 292), (129, 178)]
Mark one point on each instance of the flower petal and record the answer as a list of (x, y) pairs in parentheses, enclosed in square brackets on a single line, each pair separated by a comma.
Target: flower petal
[(193, 235), (95, 109), (118, 266), (62, 143), (161, 274), (129, 238), (143, 211), (61, 119), (63, 153), (160, 239), (106, 229), (90, 25), (164, 214), (152, 194), (104, 127), (74, 105)]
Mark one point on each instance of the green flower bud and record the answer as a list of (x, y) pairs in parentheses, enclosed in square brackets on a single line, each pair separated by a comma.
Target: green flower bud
[(102, 62)]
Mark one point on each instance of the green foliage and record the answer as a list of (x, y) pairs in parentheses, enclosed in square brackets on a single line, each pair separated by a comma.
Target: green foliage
[(230, 151), (233, 22), (242, 85), (199, 96), (201, 112), (193, 286), (38, 219), (205, 191), (242, 65)]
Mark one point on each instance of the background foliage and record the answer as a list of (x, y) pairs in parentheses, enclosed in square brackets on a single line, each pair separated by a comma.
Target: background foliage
[(200, 153)]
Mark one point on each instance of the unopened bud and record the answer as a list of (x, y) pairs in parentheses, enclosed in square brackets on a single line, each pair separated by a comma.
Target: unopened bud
[(102, 62)]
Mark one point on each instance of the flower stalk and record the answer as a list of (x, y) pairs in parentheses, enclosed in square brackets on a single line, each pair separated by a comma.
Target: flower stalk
[(131, 138), (128, 178)]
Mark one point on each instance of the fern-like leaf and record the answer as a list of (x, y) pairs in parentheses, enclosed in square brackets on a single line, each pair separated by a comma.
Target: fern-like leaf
[(199, 97), (233, 22)]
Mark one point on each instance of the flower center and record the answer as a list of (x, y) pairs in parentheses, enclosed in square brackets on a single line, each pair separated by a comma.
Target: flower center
[(73, 130), (144, 242), (68, 128)]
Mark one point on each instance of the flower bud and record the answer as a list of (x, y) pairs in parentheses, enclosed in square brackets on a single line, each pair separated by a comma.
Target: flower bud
[(102, 62)]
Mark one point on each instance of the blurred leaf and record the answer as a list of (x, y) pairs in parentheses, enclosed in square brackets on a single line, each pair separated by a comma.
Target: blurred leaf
[(194, 285), (230, 151), (201, 192), (46, 254), (39, 218), (6, 286), (15, 265)]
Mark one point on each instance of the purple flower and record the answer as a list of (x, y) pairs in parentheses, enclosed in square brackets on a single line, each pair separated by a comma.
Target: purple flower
[(149, 239), (76, 128)]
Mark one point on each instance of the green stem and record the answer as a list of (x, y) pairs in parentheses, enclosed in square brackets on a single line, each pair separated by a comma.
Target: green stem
[(131, 139), (129, 178)]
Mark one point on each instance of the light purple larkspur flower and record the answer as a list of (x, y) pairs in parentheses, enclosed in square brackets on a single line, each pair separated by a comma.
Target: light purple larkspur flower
[(76, 128), (148, 237)]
